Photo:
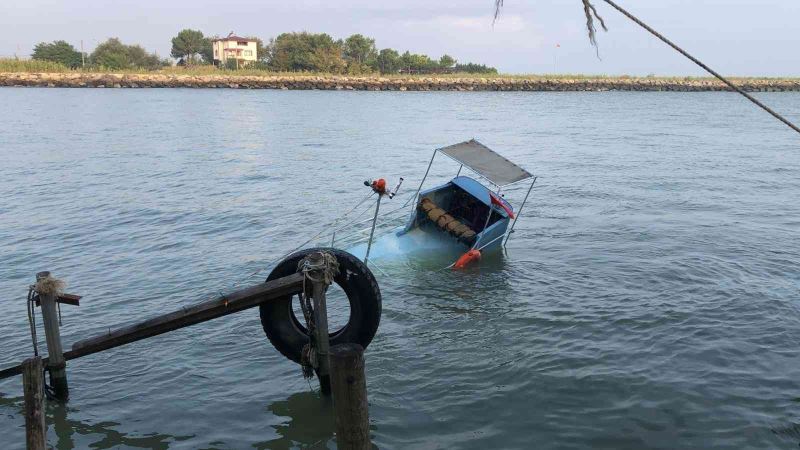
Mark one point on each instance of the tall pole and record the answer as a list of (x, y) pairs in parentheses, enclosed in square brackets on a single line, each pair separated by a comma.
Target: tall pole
[(555, 61), (372, 231), (83, 56)]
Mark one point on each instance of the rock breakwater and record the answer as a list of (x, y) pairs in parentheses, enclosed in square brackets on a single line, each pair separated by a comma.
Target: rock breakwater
[(310, 82)]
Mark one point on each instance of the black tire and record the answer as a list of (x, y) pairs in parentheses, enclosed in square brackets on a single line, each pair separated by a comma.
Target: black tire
[(288, 334)]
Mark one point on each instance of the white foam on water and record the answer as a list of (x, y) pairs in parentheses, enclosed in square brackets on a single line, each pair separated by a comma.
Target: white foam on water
[(416, 245)]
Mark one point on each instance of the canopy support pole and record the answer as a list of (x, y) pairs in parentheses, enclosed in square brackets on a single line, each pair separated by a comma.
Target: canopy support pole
[(511, 230), (423, 179)]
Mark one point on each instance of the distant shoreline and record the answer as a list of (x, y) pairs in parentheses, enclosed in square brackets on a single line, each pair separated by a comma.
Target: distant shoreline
[(391, 83)]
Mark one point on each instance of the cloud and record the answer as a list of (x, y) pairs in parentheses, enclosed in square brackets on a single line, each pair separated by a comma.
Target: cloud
[(506, 24), (467, 33), (522, 40)]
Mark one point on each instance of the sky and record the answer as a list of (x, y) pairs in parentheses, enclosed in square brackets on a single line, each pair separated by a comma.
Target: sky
[(735, 37)]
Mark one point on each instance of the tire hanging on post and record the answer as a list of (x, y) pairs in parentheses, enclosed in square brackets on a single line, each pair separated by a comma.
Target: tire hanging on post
[(287, 332)]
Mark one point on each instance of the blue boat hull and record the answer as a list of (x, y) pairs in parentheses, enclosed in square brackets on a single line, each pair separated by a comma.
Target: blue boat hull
[(488, 215)]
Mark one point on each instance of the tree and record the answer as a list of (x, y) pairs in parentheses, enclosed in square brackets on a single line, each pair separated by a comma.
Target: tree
[(187, 44), (112, 54), (324, 60), (207, 51), (358, 49), (58, 51), (261, 51), (359, 52), (116, 55), (305, 52), (446, 61), (292, 52), (413, 62), (139, 58), (387, 61)]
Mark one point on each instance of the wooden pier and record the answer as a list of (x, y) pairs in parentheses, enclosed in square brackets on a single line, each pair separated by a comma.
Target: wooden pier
[(221, 306), (312, 283)]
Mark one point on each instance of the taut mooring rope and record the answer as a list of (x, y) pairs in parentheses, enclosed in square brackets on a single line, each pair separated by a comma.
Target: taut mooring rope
[(590, 12), (700, 63)]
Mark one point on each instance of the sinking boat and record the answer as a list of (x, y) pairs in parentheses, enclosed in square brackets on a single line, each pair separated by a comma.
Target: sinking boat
[(465, 210), (471, 211)]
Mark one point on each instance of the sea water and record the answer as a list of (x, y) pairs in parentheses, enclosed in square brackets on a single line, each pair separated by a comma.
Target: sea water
[(649, 298)]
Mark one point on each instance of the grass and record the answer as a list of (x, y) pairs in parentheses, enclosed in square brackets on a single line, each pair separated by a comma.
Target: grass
[(36, 66), (30, 65)]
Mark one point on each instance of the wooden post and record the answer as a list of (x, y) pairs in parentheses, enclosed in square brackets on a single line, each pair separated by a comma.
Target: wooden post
[(56, 363), (33, 386), (322, 344), (350, 397)]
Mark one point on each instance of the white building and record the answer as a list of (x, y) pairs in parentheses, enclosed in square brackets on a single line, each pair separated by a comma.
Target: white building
[(232, 47)]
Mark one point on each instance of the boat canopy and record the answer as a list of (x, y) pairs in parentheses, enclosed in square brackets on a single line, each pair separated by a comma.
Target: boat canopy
[(485, 162)]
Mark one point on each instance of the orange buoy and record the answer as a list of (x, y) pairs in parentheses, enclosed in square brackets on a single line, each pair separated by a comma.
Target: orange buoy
[(467, 258), (379, 186)]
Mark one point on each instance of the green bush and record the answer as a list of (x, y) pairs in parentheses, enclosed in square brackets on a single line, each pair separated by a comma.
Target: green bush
[(474, 68), (258, 65), (115, 55), (58, 51)]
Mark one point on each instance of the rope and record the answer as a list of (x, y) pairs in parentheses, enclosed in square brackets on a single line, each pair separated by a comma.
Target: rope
[(372, 262), (49, 286), (271, 263), (322, 263), (31, 304), (44, 286), (324, 229), (353, 221), (388, 214), (589, 11), (387, 220), (49, 391), (700, 63), (308, 356), (274, 261), (367, 197)]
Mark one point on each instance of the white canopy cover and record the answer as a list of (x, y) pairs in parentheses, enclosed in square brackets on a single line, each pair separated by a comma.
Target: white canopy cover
[(486, 162)]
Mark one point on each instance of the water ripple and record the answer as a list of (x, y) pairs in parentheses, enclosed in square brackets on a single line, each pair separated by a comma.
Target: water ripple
[(647, 300)]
